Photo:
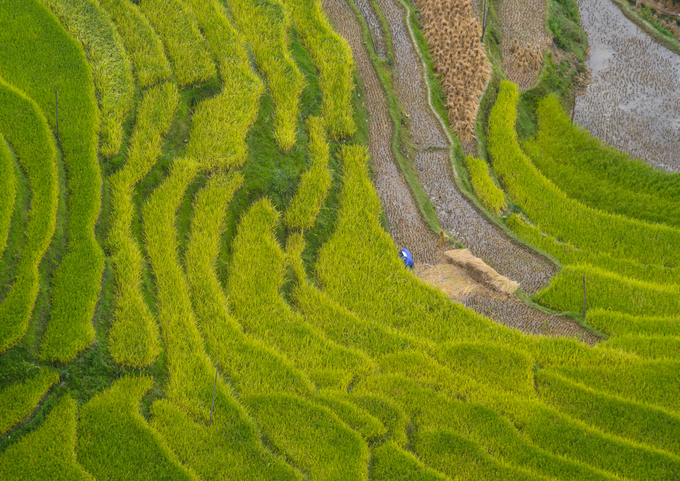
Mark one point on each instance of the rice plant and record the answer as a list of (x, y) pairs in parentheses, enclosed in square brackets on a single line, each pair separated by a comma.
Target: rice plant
[(487, 191), (18, 400), (8, 192), (109, 62)]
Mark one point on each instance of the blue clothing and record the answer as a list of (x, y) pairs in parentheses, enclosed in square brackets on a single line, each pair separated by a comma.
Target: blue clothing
[(406, 257)]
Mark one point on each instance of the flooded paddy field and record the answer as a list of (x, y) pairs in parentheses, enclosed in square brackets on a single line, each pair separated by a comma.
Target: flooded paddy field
[(633, 99)]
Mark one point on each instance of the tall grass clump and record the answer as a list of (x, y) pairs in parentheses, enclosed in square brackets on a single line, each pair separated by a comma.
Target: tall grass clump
[(133, 337), (598, 175), (256, 276), (606, 290), (264, 24), (561, 216), (250, 364), (25, 128), (567, 253), (8, 192), (621, 324), (231, 449), (49, 451), (111, 423), (220, 124), (141, 42), (333, 58), (109, 62), (645, 424), (174, 22), (38, 56), (18, 400), (315, 182), (312, 436), (486, 189)]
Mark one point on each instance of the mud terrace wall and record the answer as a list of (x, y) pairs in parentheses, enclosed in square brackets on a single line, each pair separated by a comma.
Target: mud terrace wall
[(633, 99)]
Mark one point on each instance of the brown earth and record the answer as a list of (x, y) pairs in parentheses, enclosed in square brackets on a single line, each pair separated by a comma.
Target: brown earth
[(374, 26)]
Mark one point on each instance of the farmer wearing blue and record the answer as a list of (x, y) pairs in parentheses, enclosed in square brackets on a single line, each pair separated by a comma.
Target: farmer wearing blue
[(406, 257)]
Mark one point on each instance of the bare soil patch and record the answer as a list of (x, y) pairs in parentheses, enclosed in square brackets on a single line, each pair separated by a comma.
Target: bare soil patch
[(374, 26)]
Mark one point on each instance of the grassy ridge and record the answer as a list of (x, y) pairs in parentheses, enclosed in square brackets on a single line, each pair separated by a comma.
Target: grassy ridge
[(49, 451), (314, 183), (249, 363), (567, 253), (26, 129), (333, 58), (133, 337), (18, 400), (111, 68), (264, 25), (598, 175), (220, 124), (8, 192), (141, 42), (175, 24), (255, 279), (486, 189), (561, 216), (111, 423), (233, 447), (606, 290), (38, 57)]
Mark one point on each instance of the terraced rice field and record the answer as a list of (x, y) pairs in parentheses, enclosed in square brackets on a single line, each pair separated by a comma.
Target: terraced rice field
[(199, 269), (633, 99)]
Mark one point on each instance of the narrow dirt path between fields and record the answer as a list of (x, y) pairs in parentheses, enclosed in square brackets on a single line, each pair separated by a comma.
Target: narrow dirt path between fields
[(406, 225), (456, 214), (374, 26)]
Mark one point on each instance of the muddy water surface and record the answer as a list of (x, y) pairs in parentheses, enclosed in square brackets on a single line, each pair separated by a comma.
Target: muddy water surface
[(633, 99)]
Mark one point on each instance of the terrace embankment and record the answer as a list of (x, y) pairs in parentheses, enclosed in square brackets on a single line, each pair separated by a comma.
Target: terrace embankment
[(406, 225), (456, 214), (633, 99)]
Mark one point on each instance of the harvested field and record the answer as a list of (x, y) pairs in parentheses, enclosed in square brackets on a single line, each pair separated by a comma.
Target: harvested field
[(453, 33), (461, 219), (525, 39), (514, 313), (374, 26), (406, 225), (633, 99)]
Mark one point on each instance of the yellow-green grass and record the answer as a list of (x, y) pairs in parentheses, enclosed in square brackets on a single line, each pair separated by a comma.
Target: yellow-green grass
[(648, 347), (37, 57), (333, 59), (369, 427), (111, 69), (620, 324), (488, 193), (392, 463), (48, 452), (141, 42), (606, 290), (388, 412), (561, 216), (255, 279), (250, 365), (234, 449), (315, 182), (220, 124), (174, 22), (639, 422), (321, 445), (8, 192), (264, 25), (18, 400), (599, 176), (24, 127), (116, 443), (219, 452), (655, 382), (567, 253), (133, 337)]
